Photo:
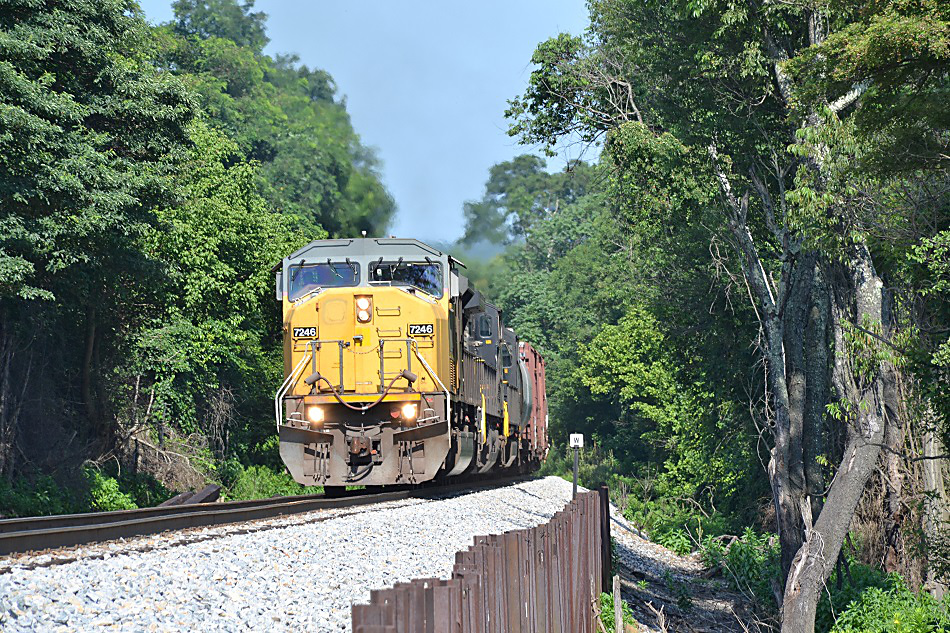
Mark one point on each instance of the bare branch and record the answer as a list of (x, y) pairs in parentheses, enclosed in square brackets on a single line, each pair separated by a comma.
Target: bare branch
[(755, 271), (780, 233), (850, 97)]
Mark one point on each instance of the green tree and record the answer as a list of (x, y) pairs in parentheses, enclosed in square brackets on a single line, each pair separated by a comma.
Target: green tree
[(718, 78), (210, 352), (90, 132), (281, 114), (223, 19), (518, 193)]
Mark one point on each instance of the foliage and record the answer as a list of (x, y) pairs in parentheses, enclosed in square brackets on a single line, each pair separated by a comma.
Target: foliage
[(743, 143), (260, 482), (853, 584), (520, 193), (85, 155), (104, 494), (43, 496), (749, 563), (150, 178), (893, 608), (143, 489), (607, 612), (648, 503), (280, 114), (215, 326)]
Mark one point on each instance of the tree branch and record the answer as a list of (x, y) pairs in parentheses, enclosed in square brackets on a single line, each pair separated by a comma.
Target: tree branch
[(850, 97), (755, 271)]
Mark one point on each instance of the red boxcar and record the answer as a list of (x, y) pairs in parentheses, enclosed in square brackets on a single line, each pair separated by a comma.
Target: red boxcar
[(538, 423)]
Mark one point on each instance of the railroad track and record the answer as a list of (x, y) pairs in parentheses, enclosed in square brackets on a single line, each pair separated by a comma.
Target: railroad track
[(43, 533)]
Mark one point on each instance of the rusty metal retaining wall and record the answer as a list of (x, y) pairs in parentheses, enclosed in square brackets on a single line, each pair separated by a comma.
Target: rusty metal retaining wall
[(542, 580)]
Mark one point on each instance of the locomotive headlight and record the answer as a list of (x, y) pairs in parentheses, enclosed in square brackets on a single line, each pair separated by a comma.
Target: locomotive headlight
[(364, 309), (315, 414), (409, 411)]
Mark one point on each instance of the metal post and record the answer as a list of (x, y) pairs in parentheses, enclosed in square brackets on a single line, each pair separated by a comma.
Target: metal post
[(577, 443), (576, 453), (341, 367), (618, 607)]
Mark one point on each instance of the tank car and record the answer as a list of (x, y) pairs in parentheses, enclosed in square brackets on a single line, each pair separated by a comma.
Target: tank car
[(397, 371)]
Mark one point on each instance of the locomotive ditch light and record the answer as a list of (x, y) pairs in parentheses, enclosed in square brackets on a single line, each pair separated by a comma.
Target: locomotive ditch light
[(364, 309), (410, 411), (315, 414)]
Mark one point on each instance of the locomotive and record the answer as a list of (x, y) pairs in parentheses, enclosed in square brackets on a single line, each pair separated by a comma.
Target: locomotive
[(397, 371)]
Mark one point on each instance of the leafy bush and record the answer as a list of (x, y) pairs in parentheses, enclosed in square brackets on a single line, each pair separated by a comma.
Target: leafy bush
[(669, 522), (607, 612), (144, 490), (44, 496), (260, 482), (675, 539), (104, 494), (894, 609), (835, 601), (672, 525), (750, 563), (595, 467)]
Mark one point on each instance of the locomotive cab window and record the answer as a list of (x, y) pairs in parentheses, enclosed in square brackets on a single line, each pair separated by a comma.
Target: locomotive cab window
[(505, 357), (424, 276), (305, 278), (484, 326)]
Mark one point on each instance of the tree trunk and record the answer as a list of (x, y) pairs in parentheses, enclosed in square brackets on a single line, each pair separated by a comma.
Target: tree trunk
[(7, 421), (936, 507), (894, 485), (787, 467), (816, 396), (88, 394), (866, 417)]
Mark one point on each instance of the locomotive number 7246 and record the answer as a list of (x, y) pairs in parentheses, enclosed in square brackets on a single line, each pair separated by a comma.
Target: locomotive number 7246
[(420, 329)]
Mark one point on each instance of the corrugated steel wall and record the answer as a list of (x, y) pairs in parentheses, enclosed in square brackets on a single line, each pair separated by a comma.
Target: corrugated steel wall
[(542, 580)]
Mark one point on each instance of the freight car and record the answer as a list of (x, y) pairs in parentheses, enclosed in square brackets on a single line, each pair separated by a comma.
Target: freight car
[(397, 371)]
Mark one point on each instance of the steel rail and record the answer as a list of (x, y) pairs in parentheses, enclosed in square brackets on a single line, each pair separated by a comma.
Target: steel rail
[(43, 533)]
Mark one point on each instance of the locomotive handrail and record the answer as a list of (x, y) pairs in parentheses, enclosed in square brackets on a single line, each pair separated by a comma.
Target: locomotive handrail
[(288, 381), (311, 348), (435, 376), (315, 345)]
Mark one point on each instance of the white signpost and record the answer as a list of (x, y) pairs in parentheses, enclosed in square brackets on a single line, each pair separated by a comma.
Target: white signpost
[(577, 443)]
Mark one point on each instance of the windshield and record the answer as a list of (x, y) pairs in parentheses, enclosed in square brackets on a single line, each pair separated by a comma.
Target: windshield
[(426, 276), (308, 277)]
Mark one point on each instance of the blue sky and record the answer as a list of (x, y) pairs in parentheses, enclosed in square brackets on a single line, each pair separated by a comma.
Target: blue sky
[(426, 84)]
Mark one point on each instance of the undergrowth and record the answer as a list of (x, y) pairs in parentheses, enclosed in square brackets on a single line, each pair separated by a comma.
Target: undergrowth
[(91, 490), (607, 612), (893, 608), (258, 482), (678, 523)]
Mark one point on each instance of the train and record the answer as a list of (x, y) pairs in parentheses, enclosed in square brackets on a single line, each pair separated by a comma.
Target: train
[(398, 371)]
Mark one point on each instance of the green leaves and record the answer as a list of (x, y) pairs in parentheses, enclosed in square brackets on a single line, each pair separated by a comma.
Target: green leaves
[(217, 250), (521, 196), (150, 178), (280, 114)]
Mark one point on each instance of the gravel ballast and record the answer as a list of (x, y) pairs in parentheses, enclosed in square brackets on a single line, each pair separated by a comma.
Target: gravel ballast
[(300, 573)]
